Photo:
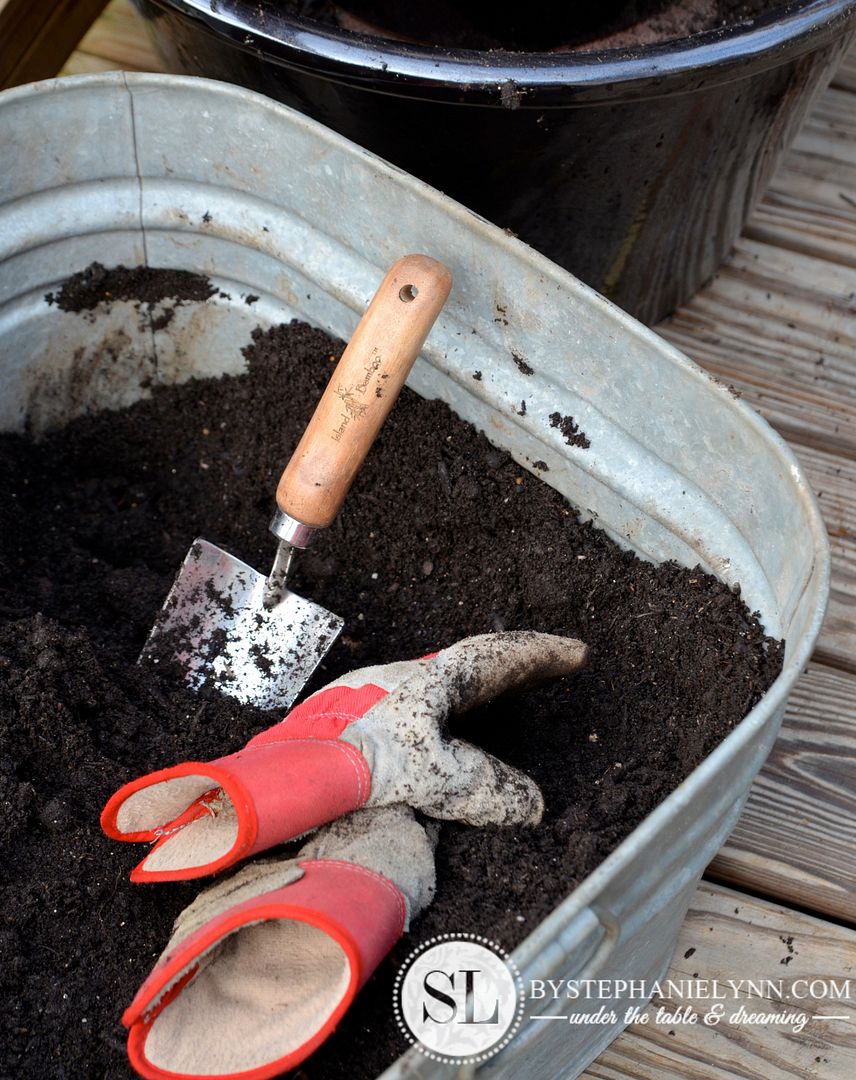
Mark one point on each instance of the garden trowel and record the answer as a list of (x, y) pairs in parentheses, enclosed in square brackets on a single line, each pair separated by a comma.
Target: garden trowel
[(228, 626)]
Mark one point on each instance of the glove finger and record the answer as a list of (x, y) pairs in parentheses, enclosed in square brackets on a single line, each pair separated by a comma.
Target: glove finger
[(467, 674), (467, 784), (480, 668), (403, 742)]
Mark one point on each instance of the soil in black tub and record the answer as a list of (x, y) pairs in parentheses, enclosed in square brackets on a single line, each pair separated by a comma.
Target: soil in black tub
[(539, 26), (442, 536)]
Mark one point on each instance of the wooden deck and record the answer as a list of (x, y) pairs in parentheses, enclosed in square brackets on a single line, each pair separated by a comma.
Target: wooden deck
[(779, 323)]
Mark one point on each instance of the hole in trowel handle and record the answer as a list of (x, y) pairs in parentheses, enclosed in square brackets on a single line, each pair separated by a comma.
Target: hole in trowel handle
[(408, 293)]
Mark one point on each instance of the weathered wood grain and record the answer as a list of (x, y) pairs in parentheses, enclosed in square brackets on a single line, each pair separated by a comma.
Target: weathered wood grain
[(830, 130), (82, 63), (810, 207), (796, 837), (730, 936), (837, 643), (779, 326), (36, 36), (118, 39)]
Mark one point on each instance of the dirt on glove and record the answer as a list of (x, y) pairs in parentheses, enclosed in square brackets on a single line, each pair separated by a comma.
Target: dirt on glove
[(442, 536)]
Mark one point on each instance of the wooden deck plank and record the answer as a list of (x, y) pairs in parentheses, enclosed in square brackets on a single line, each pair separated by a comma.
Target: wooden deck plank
[(830, 131), (833, 479), (83, 63), (810, 207), (119, 39), (838, 636), (36, 36), (728, 935), (779, 326), (796, 837)]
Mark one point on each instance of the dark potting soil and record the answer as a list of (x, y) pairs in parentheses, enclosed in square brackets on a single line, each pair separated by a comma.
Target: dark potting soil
[(99, 285), (442, 536), (570, 430), (96, 285), (542, 25)]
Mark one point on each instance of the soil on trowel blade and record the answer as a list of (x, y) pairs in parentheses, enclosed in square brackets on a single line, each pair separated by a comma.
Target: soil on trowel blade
[(538, 26), (442, 536)]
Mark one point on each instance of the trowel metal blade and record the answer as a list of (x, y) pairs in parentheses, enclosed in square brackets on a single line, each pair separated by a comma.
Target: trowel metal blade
[(215, 626)]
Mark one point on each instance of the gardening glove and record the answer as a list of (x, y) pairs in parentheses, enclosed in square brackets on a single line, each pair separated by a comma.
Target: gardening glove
[(372, 738), (261, 967)]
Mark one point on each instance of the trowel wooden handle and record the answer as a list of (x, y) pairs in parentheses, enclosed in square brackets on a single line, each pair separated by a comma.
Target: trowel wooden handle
[(363, 389)]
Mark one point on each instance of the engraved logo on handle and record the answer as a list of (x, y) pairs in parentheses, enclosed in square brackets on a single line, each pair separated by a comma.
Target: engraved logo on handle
[(355, 409)]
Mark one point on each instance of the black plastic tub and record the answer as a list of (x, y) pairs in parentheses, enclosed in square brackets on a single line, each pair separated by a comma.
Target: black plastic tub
[(635, 169)]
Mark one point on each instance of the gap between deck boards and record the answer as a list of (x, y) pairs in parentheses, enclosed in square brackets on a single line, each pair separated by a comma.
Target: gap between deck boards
[(730, 936), (778, 323)]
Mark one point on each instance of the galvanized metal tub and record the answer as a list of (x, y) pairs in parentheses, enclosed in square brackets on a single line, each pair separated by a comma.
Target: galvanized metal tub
[(181, 172)]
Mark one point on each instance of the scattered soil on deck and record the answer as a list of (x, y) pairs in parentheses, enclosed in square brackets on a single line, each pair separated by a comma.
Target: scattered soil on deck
[(442, 536)]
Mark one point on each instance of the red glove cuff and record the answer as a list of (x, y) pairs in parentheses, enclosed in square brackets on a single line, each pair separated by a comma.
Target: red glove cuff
[(279, 789), (363, 912)]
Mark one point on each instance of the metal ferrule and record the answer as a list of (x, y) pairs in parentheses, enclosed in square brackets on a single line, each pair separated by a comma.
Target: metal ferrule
[(292, 531)]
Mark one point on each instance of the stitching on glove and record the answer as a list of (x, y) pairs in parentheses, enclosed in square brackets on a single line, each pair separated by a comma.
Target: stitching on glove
[(210, 802), (341, 704), (335, 714), (287, 736), (360, 767), (391, 888), (355, 759)]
